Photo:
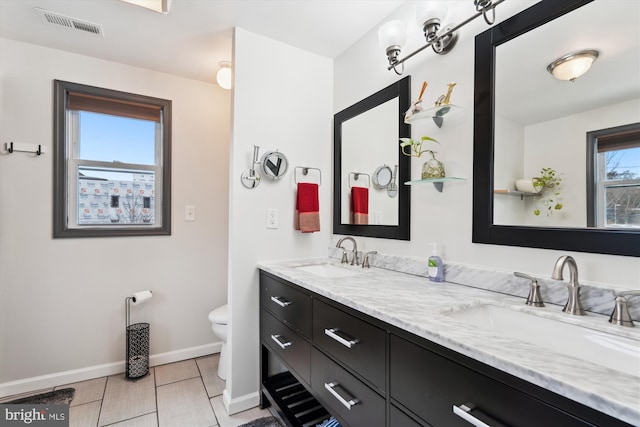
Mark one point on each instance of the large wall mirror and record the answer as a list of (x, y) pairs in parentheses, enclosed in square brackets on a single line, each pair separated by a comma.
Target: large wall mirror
[(527, 120), (369, 170)]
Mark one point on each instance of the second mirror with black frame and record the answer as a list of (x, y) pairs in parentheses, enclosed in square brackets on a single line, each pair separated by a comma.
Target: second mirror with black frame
[(366, 139), (510, 135)]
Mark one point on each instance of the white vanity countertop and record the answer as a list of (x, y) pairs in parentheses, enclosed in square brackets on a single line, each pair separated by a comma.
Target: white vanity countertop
[(419, 306)]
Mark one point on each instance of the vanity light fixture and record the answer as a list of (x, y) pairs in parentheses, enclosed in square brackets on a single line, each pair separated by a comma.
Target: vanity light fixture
[(224, 75), (573, 65), (441, 38), (160, 6)]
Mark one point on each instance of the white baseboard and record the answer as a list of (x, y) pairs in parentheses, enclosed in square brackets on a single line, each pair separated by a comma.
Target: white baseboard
[(239, 404), (68, 377)]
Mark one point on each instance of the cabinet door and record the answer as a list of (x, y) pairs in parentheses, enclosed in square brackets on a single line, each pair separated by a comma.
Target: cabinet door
[(398, 418), (354, 342), (291, 305), (430, 385), (294, 350), (344, 395)]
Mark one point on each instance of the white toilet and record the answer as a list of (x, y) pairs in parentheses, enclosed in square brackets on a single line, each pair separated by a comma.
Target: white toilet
[(218, 319)]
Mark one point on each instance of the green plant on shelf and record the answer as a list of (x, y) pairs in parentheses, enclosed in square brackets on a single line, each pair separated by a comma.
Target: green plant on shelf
[(548, 200), (415, 147)]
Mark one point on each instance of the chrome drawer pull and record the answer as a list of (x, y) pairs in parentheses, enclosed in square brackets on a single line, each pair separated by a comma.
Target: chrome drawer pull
[(280, 301), (333, 333), (283, 345), (463, 411), (347, 403)]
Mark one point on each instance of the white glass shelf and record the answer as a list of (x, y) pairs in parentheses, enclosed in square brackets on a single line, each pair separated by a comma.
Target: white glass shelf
[(435, 113), (515, 193), (437, 182)]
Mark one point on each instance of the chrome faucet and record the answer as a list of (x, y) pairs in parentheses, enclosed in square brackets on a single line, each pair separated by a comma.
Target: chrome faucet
[(354, 258), (573, 305), (620, 315)]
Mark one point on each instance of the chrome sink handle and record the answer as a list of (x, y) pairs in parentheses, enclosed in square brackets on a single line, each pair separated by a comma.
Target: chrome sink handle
[(620, 315), (365, 260), (534, 299)]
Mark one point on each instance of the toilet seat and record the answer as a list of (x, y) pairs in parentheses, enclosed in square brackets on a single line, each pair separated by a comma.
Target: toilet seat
[(219, 315)]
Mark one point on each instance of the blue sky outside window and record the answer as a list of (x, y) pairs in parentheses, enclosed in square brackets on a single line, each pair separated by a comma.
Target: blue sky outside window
[(110, 138)]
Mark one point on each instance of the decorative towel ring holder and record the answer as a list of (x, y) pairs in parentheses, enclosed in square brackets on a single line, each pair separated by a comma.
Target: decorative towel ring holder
[(356, 176), (305, 171)]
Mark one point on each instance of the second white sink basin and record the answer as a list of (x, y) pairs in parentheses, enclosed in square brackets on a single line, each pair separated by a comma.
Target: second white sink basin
[(604, 349), (329, 270)]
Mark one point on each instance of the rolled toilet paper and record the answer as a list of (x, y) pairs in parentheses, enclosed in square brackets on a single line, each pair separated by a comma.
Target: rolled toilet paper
[(140, 297)]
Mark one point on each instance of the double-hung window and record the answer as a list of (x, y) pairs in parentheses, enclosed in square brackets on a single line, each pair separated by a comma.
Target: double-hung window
[(112, 164), (615, 177)]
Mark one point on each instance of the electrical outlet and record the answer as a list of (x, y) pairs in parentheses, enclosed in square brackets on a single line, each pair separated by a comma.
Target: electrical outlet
[(189, 213), (272, 218)]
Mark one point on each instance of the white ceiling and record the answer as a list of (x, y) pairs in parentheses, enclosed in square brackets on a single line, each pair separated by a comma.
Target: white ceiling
[(526, 93), (196, 34)]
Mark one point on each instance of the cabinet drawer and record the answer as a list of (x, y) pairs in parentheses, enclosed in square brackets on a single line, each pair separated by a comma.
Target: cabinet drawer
[(288, 345), (287, 303), (344, 395), (430, 385), (354, 342)]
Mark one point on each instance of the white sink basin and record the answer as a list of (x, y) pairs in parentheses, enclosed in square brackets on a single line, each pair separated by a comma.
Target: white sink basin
[(329, 270), (604, 349)]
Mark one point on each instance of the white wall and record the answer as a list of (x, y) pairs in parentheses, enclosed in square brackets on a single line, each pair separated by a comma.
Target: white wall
[(282, 100), (566, 153), (447, 217), (62, 300)]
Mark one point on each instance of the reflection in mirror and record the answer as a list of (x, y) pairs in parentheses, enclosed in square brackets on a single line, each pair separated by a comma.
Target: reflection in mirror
[(378, 127), (368, 165), (540, 122)]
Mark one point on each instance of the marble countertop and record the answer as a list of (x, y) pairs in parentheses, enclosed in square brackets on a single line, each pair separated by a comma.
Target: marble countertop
[(419, 306)]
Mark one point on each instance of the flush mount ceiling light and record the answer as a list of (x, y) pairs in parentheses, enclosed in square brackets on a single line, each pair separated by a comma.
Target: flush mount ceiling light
[(224, 75), (160, 6), (573, 65), (429, 15)]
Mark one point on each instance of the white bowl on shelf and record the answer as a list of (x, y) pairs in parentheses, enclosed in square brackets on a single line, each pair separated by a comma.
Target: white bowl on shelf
[(526, 186)]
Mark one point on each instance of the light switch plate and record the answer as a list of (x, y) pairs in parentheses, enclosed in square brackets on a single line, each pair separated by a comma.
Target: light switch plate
[(189, 213), (272, 218)]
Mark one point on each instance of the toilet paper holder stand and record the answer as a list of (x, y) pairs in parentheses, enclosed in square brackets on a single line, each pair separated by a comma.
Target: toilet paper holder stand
[(137, 344)]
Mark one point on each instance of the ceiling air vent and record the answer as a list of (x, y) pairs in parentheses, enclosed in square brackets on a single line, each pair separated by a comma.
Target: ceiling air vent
[(70, 23)]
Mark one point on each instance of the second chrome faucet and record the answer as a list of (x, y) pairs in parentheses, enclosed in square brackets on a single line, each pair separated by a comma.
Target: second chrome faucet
[(573, 305), (354, 258)]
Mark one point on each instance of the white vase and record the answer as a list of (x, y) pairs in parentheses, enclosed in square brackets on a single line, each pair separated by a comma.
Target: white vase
[(526, 185)]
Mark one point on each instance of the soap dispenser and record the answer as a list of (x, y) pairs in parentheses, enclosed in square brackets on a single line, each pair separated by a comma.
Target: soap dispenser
[(435, 268)]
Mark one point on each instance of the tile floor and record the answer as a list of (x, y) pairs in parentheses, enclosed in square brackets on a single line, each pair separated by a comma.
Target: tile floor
[(181, 394)]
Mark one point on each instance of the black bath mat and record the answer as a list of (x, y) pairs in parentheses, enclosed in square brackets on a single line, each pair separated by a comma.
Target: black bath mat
[(56, 397), (263, 422)]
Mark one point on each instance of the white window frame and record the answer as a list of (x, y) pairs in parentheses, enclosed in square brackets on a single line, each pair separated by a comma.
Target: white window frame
[(67, 164), (597, 182)]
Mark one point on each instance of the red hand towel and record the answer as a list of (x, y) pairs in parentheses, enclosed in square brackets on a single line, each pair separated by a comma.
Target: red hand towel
[(359, 205), (307, 215)]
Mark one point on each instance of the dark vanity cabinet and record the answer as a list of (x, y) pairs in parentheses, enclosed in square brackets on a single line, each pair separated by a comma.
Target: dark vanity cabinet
[(320, 357)]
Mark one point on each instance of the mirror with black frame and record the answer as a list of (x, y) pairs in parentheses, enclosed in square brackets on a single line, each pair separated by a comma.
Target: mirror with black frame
[(369, 195), (527, 120)]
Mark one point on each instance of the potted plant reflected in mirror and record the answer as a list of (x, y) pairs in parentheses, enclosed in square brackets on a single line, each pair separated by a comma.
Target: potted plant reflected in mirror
[(546, 190), (432, 168)]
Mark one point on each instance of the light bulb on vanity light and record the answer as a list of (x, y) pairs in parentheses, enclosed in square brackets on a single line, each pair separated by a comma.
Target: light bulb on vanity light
[(391, 37), (224, 75), (429, 16)]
